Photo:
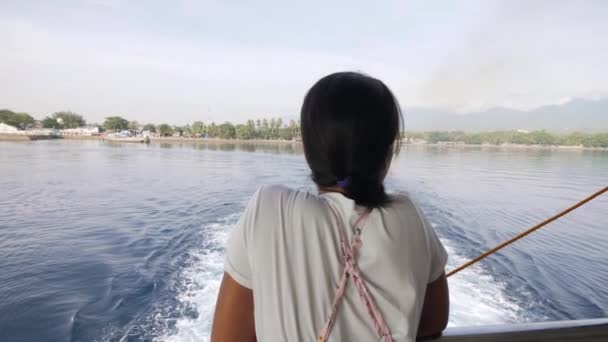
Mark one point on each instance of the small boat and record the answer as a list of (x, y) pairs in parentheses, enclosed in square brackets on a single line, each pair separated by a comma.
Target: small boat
[(128, 136)]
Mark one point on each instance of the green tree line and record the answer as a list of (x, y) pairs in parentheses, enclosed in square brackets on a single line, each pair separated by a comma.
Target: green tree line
[(20, 120), (512, 137), (62, 120), (273, 129), (276, 129), (265, 129), (58, 120)]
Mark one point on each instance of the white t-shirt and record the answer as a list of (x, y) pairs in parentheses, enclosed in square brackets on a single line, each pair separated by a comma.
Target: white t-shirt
[(286, 249)]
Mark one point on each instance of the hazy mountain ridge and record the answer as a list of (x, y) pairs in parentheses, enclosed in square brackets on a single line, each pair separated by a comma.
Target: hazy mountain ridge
[(575, 115)]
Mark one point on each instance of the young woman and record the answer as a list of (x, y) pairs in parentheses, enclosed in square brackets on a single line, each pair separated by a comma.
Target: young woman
[(350, 263)]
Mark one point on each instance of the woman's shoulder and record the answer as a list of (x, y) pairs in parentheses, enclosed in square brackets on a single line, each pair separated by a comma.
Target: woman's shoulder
[(276, 191), (273, 195), (401, 200), (405, 207)]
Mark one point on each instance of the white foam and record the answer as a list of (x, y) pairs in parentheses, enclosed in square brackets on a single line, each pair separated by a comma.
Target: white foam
[(476, 298), (201, 282)]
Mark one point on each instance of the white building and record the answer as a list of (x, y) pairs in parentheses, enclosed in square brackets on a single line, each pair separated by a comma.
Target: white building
[(4, 128), (81, 131)]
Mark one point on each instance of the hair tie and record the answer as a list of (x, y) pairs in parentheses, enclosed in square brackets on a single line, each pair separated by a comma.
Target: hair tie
[(344, 183)]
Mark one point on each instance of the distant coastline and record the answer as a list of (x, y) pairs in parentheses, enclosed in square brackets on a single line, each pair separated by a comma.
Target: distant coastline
[(177, 140), (69, 125), (442, 145)]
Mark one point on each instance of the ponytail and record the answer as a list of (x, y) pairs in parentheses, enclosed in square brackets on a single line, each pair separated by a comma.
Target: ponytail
[(367, 192)]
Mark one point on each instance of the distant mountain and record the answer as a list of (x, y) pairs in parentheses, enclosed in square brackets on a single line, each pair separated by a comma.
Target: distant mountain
[(575, 115)]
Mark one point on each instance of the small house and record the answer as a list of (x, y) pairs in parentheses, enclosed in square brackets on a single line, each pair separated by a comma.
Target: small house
[(81, 131)]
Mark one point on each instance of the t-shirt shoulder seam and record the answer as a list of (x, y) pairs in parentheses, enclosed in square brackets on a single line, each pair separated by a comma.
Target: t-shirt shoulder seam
[(238, 276)]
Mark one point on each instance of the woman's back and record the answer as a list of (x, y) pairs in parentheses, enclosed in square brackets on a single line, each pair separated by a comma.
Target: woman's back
[(294, 270), (286, 249)]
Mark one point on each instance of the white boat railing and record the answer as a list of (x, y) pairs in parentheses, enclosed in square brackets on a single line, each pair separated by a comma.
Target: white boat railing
[(591, 330)]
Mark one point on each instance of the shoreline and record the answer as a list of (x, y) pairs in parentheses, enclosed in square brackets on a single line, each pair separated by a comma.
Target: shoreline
[(173, 140)]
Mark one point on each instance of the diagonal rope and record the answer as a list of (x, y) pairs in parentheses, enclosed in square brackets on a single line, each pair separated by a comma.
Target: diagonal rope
[(531, 230)]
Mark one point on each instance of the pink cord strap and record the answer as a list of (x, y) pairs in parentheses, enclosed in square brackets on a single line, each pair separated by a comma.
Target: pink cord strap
[(351, 270)]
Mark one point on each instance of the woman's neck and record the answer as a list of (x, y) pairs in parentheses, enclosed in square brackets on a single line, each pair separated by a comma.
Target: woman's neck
[(324, 189)]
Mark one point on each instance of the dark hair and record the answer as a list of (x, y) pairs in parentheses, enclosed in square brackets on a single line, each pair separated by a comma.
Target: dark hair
[(350, 124)]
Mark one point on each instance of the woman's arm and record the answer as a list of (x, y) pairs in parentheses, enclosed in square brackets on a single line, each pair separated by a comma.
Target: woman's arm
[(435, 309), (233, 320)]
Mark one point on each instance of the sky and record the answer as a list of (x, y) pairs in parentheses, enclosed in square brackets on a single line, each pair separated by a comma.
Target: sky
[(183, 60)]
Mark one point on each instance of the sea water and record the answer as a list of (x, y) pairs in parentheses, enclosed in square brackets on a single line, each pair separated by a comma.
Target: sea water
[(125, 242)]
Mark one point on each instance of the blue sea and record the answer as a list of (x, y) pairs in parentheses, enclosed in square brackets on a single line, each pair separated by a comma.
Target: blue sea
[(124, 242)]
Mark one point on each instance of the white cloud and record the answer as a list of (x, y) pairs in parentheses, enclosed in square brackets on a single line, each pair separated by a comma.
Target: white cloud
[(147, 79), (152, 65)]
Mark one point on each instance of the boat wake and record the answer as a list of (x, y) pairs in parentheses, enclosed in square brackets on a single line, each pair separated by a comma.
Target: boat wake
[(476, 298), (199, 283)]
